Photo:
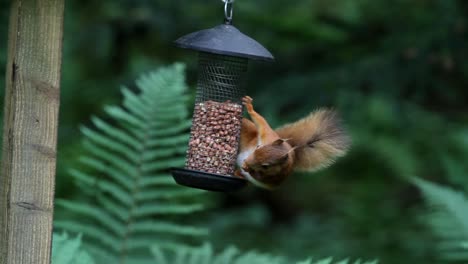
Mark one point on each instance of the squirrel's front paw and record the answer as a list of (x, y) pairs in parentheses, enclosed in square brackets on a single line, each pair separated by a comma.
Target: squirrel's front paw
[(247, 102)]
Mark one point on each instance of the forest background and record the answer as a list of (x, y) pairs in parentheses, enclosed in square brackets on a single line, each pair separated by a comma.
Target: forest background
[(395, 70)]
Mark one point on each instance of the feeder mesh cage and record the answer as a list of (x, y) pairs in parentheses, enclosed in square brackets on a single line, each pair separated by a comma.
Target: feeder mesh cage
[(217, 118)]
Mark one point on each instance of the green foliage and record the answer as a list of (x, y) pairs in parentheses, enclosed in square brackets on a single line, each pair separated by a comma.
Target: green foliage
[(205, 255), (130, 200), (67, 250), (448, 218)]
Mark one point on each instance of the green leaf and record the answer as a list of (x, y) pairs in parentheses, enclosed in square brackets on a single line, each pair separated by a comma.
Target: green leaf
[(149, 227), (151, 181), (121, 115), (116, 133), (166, 194), (96, 233), (448, 218), (66, 250), (231, 255), (90, 211), (108, 158), (167, 209), (124, 173), (325, 261)]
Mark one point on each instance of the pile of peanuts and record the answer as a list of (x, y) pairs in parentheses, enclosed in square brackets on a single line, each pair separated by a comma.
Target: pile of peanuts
[(214, 137)]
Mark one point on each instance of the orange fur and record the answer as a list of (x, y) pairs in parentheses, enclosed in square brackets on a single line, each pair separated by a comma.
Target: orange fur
[(319, 139), (267, 157)]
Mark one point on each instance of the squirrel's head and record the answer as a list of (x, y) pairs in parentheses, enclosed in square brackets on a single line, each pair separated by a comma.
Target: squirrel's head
[(270, 164)]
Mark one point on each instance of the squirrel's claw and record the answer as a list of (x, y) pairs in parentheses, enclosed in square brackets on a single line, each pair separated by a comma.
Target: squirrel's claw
[(247, 102)]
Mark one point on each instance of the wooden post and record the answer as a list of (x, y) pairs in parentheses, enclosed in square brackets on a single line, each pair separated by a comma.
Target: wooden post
[(30, 131)]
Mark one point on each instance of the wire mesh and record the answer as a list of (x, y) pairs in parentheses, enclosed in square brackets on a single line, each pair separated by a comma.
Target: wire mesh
[(221, 78), (217, 117)]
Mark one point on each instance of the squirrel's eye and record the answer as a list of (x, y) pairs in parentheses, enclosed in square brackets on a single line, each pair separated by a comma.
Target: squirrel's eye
[(265, 166)]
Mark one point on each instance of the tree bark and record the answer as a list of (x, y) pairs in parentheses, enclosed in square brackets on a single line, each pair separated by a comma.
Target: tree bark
[(27, 178)]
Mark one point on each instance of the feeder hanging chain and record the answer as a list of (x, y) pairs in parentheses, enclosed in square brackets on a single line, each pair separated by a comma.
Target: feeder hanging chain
[(228, 10)]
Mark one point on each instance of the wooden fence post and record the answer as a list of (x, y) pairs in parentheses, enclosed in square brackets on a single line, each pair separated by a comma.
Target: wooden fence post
[(27, 177)]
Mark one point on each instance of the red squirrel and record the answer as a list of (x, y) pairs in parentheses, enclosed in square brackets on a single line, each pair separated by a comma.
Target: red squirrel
[(267, 157)]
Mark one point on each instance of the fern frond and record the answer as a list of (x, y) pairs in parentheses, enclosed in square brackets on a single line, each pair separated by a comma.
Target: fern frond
[(148, 209), (67, 250), (179, 254), (159, 154), (124, 117), (167, 227), (121, 149), (115, 133), (161, 165), (103, 237), (155, 180), (101, 154), (125, 172), (115, 209), (165, 194), (90, 211), (102, 167), (448, 218), (227, 256)]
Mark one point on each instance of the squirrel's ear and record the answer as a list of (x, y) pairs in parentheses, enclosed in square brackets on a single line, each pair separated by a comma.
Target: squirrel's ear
[(277, 142)]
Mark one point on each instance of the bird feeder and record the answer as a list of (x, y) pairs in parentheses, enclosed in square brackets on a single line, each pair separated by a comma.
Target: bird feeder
[(224, 53)]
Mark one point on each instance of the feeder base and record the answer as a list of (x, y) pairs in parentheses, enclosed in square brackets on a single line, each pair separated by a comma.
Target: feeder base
[(207, 181)]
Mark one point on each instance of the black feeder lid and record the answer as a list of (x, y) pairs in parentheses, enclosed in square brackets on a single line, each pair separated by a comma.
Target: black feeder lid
[(225, 39)]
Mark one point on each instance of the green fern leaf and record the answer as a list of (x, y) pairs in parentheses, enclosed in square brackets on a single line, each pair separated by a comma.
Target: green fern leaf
[(113, 145), (84, 178), (102, 216), (102, 167), (103, 155), (162, 227), (169, 209), (155, 180), (131, 200), (159, 154), (124, 117), (161, 165), (204, 254), (103, 237), (325, 261), (448, 218), (66, 250), (346, 261), (168, 131), (115, 133), (115, 209), (227, 256), (165, 194)]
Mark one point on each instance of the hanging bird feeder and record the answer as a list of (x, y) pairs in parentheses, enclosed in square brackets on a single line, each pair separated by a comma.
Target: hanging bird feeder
[(224, 53)]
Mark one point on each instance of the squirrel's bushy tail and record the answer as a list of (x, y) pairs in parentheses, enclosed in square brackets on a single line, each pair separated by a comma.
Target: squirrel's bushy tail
[(319, 139)]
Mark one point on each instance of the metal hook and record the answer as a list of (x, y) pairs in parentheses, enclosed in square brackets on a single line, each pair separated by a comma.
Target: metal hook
[(228, 10)]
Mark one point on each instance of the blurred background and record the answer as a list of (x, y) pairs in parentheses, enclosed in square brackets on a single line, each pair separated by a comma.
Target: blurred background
[(397, 71)]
